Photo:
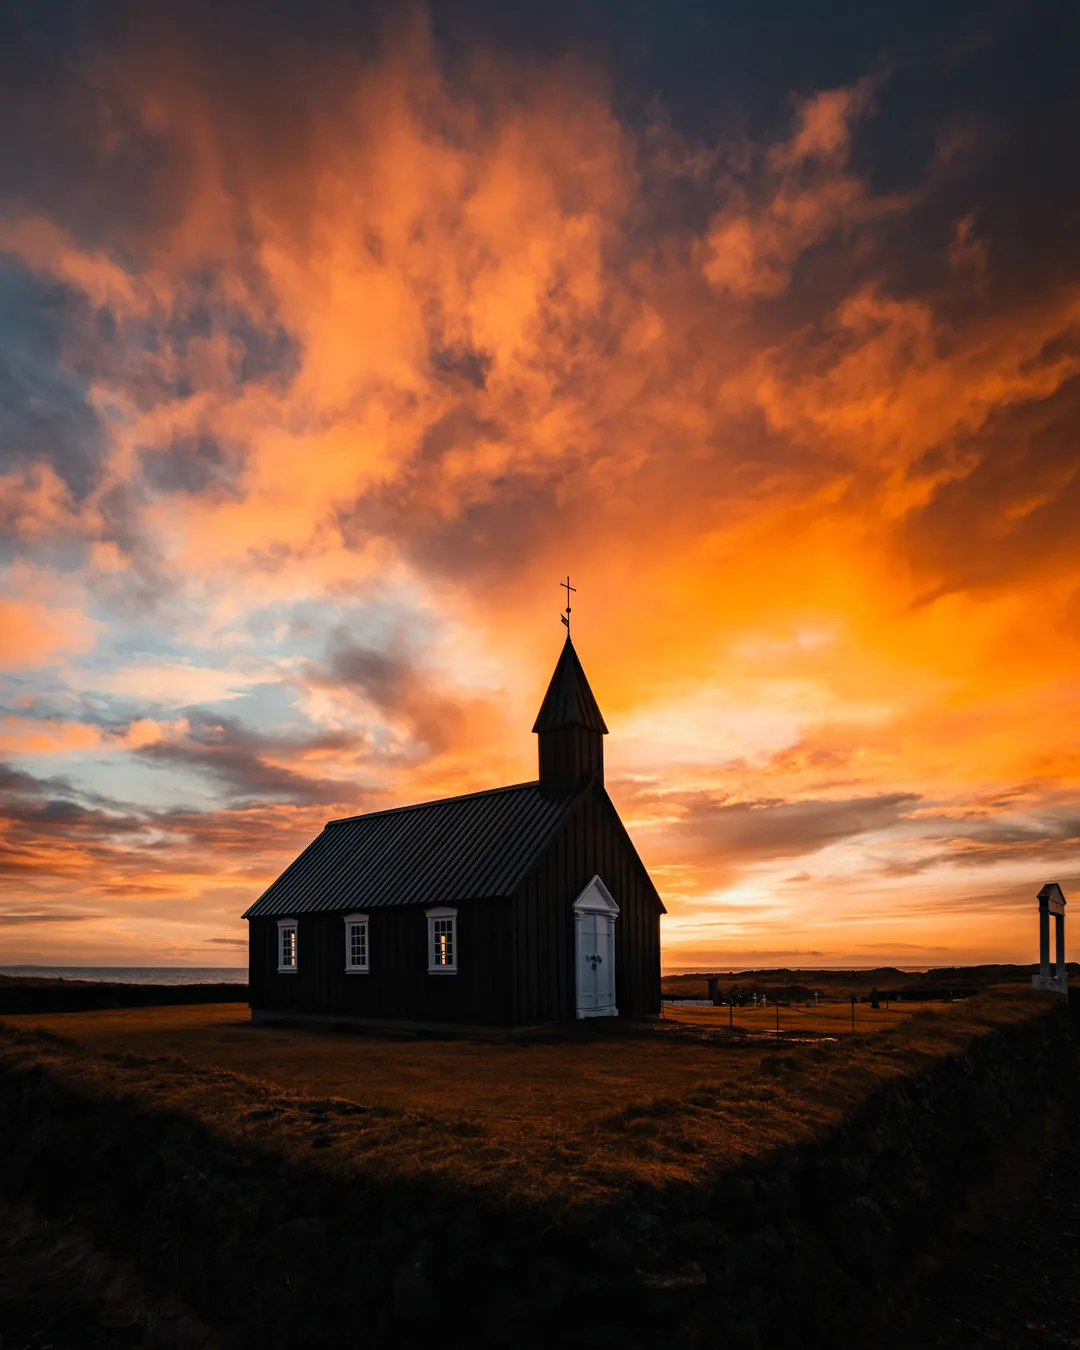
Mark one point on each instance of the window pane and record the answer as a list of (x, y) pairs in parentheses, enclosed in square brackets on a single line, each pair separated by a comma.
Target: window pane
[(358, 945), (443, 933)]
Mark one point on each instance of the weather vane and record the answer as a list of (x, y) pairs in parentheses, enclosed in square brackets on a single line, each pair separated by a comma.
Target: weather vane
[(567, 588)]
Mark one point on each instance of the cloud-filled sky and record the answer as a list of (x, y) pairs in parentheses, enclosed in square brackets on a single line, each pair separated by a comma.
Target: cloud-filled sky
[(333, 337)]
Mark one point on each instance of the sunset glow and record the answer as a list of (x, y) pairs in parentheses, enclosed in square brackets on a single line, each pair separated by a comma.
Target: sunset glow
[(319, 370)]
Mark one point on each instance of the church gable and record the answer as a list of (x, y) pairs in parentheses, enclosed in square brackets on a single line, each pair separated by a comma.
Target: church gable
[(596, 899)]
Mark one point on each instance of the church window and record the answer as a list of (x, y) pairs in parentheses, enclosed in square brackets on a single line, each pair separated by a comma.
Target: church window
[(287, 948), (442, 941), (356, 944)]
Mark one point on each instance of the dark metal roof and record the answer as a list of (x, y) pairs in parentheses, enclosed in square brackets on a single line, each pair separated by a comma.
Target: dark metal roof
[(569, 698), (474, 847)]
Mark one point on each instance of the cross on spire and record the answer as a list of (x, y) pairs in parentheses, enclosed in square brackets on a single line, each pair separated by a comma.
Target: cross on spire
[(567, 588)]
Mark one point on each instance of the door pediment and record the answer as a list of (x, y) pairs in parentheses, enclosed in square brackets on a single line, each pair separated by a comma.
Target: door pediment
[(596, 899)]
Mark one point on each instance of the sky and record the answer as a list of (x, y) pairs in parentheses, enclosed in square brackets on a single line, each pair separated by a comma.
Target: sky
[(333, 337)]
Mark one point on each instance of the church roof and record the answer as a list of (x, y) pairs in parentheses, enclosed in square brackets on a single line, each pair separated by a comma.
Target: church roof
[(569, 699), (460, 848)]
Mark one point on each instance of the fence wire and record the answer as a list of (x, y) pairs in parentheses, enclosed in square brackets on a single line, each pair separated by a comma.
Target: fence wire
[(823, 1018)]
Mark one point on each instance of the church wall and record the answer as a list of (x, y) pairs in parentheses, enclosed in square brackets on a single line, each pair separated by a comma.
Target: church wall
[(398, 985), (592, 841), (516, 956), (567, 755)]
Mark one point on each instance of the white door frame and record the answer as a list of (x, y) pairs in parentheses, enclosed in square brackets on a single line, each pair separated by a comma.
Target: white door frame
[(595, 899)]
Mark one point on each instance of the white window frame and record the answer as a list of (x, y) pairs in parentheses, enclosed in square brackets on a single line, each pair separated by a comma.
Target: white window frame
[(442, 913), (284, 926), (351, 968)]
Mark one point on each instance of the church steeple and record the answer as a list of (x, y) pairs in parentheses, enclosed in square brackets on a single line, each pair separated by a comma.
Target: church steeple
[(570, 729)]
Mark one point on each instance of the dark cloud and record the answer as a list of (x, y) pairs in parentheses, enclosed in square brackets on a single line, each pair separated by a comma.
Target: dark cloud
[(51, 832), (240, 760), (260, 349), (1027, 456), (35, 811), (50, 825), (192, 464), (51, 917), (744, 832), (467, 363), (17, 785), (17, 782), (55, 814), (480, 539), (397, 686), (45, 416), (383, 676), (146, 584), (74, 147), (989, 842)]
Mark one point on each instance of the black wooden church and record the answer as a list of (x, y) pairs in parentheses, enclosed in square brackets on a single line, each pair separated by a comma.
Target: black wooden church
[(512, 908)]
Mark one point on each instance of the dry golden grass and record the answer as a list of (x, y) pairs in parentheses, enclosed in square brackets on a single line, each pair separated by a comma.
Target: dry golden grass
[(529, 1083), (561, 1123)]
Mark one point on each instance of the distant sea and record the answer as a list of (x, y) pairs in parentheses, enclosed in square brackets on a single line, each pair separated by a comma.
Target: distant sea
[(136, 974)]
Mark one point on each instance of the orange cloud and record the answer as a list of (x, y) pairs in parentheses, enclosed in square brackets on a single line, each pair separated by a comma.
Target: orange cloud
[(33, 635)]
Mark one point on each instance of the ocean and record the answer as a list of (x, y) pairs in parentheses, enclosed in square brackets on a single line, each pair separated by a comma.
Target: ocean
[(136, 974)]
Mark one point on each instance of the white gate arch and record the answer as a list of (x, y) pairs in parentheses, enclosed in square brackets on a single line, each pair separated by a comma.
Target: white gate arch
[(595, 912)]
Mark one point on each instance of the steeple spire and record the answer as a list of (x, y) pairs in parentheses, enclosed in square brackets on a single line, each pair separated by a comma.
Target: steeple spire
[(569, 701), (570, 728)]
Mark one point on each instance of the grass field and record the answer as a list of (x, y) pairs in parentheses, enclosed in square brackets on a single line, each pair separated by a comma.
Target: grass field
[(519, 1081), (563, 1120), (528, 1083)]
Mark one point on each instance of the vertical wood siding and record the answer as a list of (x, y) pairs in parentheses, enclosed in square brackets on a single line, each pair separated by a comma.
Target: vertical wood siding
[(567, 756), (397, 985), (593, 841)]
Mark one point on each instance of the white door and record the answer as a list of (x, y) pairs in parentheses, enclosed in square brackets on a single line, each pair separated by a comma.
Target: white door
[(587, 966), (595, 963)]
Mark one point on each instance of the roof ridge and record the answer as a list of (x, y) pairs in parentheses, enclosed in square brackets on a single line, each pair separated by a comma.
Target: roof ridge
[(434, 801)]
